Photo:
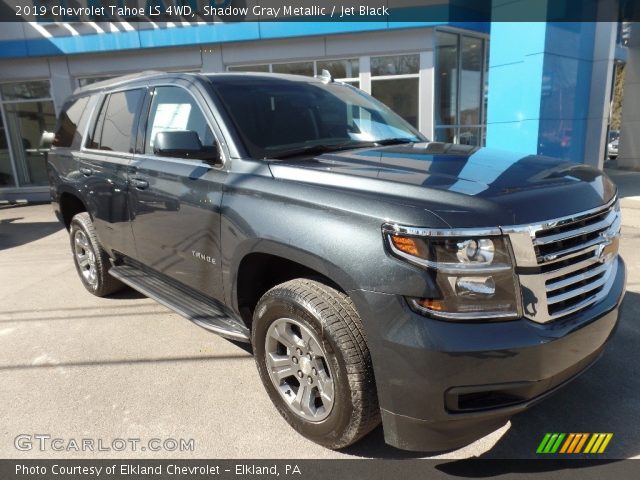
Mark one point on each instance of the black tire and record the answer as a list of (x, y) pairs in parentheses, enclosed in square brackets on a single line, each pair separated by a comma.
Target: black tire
[(101, 283), (332, 317)]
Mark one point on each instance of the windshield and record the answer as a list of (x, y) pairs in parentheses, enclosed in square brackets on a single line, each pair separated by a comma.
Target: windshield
[(277, 117)]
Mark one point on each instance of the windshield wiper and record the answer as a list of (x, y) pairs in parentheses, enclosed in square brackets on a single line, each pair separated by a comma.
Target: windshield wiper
[(324, 148), (394, 141), (321, 148)]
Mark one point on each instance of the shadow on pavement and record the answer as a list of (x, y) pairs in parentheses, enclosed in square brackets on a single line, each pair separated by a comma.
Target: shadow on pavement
[(14, 234), (373, 446), (126, 294), (603, 399), (125, 361)]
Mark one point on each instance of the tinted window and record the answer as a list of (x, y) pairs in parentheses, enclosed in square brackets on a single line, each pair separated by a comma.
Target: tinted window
[(119, 121), (68, 122), (173, 108), (94, 138), (274, 116)]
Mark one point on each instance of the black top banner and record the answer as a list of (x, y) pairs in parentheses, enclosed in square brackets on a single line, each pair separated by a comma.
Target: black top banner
[(211, 11)]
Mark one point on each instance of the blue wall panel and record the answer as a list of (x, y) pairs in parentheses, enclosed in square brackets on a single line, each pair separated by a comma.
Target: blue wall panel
[(516, 62), (269, 30), (540, 87), (74, 44), (197, 35)]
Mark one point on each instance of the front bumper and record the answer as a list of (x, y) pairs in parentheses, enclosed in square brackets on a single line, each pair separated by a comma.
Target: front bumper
[(442, 385)]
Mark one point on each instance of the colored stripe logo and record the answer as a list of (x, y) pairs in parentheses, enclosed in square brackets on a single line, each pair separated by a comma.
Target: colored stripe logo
[(574, 443)]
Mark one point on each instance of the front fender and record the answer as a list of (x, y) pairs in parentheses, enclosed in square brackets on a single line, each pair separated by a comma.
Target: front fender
[(295, 222)]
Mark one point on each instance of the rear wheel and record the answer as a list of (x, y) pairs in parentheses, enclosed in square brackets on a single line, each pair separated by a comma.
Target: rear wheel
[(92, 262), (314, 362)]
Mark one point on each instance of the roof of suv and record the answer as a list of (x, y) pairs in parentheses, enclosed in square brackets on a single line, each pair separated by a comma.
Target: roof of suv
[(153, 74)]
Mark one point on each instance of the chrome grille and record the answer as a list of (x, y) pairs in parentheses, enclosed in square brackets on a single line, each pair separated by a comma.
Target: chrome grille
[(574, 259)]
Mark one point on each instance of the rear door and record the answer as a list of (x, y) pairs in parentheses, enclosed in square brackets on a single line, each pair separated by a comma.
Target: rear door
[(103, 167), (175, 202), (63, 156)]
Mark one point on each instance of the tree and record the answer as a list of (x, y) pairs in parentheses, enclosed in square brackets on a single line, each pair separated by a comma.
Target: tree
[(618, 94)]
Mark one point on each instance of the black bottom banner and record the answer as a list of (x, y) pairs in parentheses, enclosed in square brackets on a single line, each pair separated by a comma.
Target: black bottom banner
[(315, 469)]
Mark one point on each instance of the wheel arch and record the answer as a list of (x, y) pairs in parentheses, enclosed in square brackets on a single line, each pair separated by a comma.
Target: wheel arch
[(70, 205), (260, 269)]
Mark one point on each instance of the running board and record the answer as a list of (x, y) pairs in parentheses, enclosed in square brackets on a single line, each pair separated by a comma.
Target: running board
[(203, 313)]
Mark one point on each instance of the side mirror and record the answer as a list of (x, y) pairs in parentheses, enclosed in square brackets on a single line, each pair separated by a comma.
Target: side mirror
[(183, 144), (46, 140)]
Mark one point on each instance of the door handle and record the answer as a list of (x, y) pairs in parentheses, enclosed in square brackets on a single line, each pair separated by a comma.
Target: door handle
[(87, 172), (139, 183)]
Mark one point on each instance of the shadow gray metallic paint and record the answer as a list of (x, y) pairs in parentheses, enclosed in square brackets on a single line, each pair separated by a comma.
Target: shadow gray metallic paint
[(326, 213)]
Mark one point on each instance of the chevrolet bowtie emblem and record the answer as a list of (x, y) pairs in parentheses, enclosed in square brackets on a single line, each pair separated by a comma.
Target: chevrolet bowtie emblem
[(608, 247)]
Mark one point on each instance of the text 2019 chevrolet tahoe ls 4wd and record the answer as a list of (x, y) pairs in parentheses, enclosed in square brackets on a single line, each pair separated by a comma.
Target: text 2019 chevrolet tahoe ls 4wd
[(437, 288)]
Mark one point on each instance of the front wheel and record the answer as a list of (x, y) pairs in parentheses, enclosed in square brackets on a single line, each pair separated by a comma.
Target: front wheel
[(313, 360)]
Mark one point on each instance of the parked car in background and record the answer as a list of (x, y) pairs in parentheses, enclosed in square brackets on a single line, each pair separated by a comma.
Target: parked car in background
[(612, 145), (612, 149), (379, 277)]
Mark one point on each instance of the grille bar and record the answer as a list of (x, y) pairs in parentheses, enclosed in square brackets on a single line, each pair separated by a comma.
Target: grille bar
[(594, 227), (570, 252), (579, 283), (573, 267), (592, 272), (574, 292), (576, 307), (574, 258)]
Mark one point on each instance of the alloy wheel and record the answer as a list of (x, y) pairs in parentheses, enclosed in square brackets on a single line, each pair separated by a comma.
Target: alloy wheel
[(299, 369), (85, 257)]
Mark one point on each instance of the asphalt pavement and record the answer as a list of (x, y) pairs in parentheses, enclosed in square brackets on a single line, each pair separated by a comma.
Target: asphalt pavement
[(77, 367)]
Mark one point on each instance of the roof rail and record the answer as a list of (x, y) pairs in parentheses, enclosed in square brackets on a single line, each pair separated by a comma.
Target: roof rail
[(111, 82)]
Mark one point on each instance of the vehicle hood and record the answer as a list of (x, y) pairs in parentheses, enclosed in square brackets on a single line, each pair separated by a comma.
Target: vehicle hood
[(463, 185)]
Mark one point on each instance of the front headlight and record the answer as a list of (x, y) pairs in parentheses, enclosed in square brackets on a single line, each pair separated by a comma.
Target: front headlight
[(473, 270)]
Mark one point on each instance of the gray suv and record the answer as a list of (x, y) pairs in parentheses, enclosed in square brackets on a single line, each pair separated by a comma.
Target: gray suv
[(379, 277)]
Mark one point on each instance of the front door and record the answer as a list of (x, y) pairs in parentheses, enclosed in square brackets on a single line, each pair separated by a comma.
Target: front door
[(175, 202)]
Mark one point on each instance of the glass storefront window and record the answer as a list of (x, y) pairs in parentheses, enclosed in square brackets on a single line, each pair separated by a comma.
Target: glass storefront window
[(472, 59), (469, 136), (249, 68), (6, 172), (83, 82), (395, 83), (28, 112), (460, 88), (25, 90), (446, 78), (399, 95), (445, 135), (349, 68), (395, 65), (299, 68), (26, 122)]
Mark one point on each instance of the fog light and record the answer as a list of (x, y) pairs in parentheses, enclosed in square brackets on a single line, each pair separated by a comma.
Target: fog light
[(481, 251), (475, 286)]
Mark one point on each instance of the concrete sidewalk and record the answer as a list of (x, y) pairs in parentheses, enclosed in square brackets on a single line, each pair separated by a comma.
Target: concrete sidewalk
[(75, 366)]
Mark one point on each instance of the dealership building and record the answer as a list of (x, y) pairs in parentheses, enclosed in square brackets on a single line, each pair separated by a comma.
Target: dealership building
[(538, 88)]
